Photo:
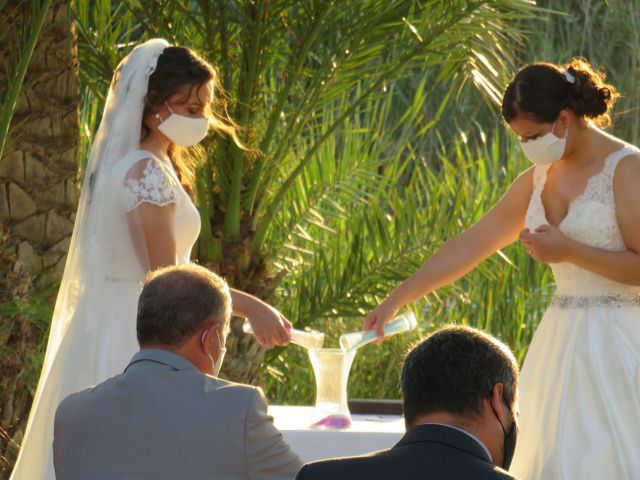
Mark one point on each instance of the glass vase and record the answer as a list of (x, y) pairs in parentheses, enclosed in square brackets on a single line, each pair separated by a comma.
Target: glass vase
[(331, 368)]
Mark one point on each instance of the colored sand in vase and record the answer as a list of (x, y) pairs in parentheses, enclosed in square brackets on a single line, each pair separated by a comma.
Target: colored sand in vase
[(333, 421)]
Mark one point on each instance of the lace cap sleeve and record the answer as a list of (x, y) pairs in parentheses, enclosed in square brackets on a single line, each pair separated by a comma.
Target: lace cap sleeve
[(148, 181)]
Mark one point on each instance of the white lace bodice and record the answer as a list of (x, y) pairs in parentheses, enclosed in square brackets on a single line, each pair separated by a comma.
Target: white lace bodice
[(140, 178), (591, 219), (149, 181)]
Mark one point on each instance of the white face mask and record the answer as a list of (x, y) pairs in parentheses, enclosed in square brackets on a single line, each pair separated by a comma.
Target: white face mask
[(183, 131), (217, 364), (546, 149)]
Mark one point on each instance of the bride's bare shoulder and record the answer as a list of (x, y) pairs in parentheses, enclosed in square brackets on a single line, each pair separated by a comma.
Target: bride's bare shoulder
[(524, 182), (628, 170), (527, 175)]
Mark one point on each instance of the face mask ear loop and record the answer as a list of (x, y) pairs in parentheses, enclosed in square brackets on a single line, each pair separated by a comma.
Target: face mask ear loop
[(204, 334), (553, 127)]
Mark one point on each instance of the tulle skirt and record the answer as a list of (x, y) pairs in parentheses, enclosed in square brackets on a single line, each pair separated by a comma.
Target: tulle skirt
[(580, 397)]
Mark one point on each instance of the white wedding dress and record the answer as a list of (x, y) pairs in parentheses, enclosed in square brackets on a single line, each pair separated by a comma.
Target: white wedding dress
[(92, 334), (580, 384), (141, 178), (101, 335)]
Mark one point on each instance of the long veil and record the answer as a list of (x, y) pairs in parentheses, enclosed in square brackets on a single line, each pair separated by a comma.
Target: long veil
[(117, 136)]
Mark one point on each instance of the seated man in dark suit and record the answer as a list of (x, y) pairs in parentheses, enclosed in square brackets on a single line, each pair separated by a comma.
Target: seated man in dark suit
[(460, 403)]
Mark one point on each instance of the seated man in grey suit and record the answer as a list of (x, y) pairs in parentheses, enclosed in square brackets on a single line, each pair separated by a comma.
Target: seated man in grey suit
[(168, 416), (460, 396)]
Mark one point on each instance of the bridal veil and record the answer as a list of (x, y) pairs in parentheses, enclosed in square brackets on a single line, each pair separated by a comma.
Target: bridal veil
[(101, 231)]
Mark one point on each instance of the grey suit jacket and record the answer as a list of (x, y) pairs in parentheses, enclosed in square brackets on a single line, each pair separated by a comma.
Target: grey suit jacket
[(163, 419)]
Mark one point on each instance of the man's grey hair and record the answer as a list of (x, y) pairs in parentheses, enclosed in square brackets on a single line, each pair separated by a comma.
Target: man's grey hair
[(179, 300)]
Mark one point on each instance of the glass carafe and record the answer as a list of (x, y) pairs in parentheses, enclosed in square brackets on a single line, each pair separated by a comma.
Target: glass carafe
[(331, 368)]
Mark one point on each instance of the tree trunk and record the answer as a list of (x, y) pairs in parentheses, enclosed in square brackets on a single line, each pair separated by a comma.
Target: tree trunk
[(38, 199), (249, 271), (38, 187)]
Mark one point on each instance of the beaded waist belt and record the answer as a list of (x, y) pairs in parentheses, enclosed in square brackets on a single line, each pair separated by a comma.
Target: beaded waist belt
[(587, 301)]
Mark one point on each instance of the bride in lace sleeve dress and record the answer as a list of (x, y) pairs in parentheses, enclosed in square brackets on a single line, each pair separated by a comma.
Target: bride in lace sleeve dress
[(135, 215), (578, 210)]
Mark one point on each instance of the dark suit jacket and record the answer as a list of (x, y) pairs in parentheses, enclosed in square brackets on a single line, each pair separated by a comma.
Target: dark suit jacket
[(427, 451)]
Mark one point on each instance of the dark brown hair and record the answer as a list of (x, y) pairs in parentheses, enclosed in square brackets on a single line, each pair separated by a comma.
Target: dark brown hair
[(541, 90), (180, 67), (453, 370)]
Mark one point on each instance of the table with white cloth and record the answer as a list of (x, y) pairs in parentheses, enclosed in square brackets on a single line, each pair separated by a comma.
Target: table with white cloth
[(367, 433)]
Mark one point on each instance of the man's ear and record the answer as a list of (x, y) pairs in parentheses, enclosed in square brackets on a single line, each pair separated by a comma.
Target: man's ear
[(498, 403), (205, 339)]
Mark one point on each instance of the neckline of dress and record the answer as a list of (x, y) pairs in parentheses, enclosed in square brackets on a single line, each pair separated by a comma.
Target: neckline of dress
[(587, 186), (163, 158)]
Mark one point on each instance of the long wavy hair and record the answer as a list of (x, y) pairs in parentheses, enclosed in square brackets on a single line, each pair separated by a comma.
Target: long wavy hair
[(177, 68)]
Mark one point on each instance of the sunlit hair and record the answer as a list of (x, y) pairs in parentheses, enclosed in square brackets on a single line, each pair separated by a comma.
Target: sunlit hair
[(177, 68), (541, 90), (178, 301)]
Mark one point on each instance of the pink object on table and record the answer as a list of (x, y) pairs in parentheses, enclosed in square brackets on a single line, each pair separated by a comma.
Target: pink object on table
[(333, 421)]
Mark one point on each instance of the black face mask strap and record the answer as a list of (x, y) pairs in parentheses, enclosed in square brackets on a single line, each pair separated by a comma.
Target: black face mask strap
[(509, 442), (504, 441)]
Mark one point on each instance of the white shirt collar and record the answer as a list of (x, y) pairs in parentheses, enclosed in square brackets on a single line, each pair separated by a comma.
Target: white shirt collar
[(484, 447)]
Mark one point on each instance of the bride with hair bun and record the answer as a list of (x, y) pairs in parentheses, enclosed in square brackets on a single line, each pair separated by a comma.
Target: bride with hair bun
[(577, 210)]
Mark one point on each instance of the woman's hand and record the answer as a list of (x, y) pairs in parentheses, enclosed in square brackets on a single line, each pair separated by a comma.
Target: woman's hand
[(547, 244), (269, 326), (380, 316)]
